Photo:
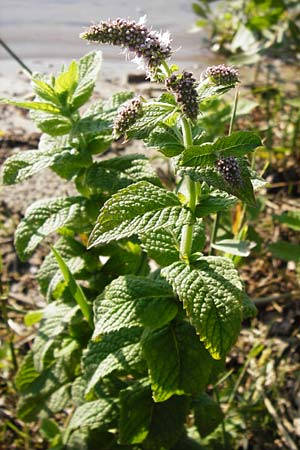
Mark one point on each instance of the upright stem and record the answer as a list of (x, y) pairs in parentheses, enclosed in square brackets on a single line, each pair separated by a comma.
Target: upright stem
[(192, 194)]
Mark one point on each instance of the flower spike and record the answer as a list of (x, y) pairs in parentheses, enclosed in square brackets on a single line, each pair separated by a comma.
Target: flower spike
[(149, 46)]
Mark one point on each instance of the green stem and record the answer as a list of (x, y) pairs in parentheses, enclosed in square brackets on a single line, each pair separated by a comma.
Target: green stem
[(166, 69), (192, 194)]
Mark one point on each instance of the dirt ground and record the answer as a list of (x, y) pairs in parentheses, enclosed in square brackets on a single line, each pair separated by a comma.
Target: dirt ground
[(265, 363)]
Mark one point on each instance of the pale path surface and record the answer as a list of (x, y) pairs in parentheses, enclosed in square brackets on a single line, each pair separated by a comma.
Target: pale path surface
[(49, 29)]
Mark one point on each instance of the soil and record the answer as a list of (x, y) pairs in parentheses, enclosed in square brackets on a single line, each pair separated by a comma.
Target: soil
[(267, 391)]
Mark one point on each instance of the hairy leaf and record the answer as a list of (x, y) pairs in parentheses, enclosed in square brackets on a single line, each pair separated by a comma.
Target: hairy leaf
[(166, 140), (96, 414), (88, 69), (242, 190), (136, 407), (153, 115), (136, 209), (44, 217), (178, 362), (117, 173), (131, 301), (116, 351), (163, 244), (56, 320), (52, 124), (212, 296), (214, 202)]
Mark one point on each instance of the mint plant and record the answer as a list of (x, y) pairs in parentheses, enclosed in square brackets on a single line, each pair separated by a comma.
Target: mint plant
[(139, 318)]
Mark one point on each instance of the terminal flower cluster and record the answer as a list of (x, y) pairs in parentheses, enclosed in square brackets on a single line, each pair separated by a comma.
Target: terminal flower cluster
[(127, 115), (221, 75), (149, 46), (229, 168), (184, 86)]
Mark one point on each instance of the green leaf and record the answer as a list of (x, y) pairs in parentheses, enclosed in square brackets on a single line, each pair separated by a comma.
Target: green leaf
[(96, 414), (74, 288), (207, 413), (285, 250), (242, 190), (131, 301), (44, 90), (214, 202), (52, 151), (88, 70), (163, 244), (153, 115), (136, 407), (237, 144), (234, 247), (167, 423), (44, 217), (55, 322), (76, 257), (116, 351), (38, 106), (49, 391), (66, 81), (117, 173), (133, 210), (212, 296), (33, 317), (178, 362), (289, 218), (54, 125), (166, 140), (206, 90), (249, 308)]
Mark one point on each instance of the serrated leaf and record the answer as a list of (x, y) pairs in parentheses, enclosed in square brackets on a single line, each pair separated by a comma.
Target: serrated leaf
[(166, 140), (44, 217), (133, 210), (117, 173), (153, 114), (135, 413), (96, 414), (214, 202), (66, 81), (212, 296), (131, 301), (44, 90), (88, 70), (242, 190), (116, 351), (38, 106), (207, 90), (54, 125), (56, 320), (237, 144), (163, 244), (48, 391), (177, 361), (207, 413), (52, 151)]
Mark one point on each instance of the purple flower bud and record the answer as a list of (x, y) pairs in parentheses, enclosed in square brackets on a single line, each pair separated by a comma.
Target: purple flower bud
[(184, 86), (221, 75), (149, 45), (127, 115), (229, 168)]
